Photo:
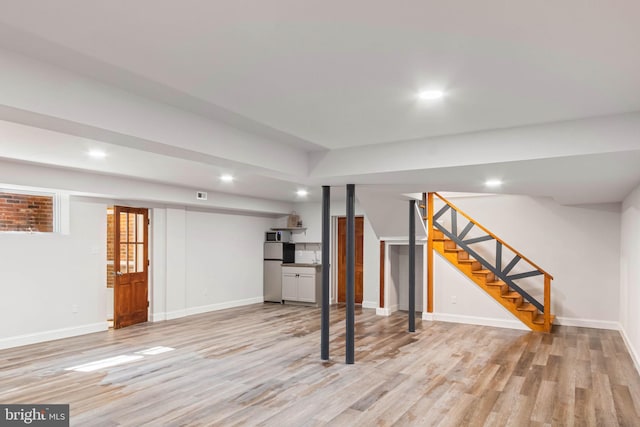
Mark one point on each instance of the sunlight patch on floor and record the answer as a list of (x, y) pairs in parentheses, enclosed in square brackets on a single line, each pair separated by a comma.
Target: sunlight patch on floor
[(119, 360)]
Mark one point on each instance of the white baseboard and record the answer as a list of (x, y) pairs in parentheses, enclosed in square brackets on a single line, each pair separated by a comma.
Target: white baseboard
[(369, 304), (427, 316), (176, 314), (587, 323), (54, 334), (386, 311), (169, 315), (516, 324), (383, 311), (474, 320), (157, 317), (222, 305), (632, 351)]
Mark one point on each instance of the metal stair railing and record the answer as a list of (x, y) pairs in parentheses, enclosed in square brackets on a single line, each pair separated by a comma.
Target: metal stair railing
[(500, 271)]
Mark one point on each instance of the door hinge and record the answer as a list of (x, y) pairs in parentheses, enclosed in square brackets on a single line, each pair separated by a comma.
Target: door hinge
[(148, 263), (148, 221), (147, 304)]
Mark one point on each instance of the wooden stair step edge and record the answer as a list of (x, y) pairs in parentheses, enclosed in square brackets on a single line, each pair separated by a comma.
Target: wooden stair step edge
[(527, 307), (482, 272), (496, 283), (512, 295), (454, 250), (539, 320)]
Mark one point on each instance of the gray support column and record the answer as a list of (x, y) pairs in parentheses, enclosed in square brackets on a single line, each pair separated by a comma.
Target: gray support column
[(324, 332), (351, 275), (412, 266)]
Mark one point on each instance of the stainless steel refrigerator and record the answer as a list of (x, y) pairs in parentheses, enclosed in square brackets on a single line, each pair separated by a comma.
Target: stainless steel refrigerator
[(276, 254)]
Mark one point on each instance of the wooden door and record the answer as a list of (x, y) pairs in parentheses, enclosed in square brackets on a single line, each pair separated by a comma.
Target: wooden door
[(131, 255), (342, 259)]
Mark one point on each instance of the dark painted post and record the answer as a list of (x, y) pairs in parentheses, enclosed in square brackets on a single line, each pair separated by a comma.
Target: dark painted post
[(324, 333), (351, 275), (412, 266)]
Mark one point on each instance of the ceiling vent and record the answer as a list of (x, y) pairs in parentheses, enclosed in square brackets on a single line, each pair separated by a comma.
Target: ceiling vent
[(201, 195)]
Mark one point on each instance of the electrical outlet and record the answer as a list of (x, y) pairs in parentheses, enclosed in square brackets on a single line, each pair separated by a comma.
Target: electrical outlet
[(454, 299)]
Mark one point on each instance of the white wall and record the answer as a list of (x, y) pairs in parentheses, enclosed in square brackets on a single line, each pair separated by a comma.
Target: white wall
[(403, 275), (392, 281), (200, 261), (175, 262), (46, 276), (630, 273), (578, 245), (209, 261), (311, 215)]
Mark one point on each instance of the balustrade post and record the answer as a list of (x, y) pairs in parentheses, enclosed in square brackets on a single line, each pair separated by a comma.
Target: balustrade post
[(547, 302), (430, 253)]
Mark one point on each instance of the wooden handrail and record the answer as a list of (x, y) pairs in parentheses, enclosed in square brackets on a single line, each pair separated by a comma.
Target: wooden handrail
[(492, 235)]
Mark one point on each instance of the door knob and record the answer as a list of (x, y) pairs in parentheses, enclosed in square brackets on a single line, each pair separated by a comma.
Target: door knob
[(119, 273)]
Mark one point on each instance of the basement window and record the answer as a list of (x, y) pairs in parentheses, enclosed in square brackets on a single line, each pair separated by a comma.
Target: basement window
[(27, 212)]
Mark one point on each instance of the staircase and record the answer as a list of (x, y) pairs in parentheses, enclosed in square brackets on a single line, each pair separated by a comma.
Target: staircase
[(463, 251)]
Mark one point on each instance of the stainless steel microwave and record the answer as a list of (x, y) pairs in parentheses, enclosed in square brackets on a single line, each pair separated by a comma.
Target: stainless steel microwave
[(277, 236)]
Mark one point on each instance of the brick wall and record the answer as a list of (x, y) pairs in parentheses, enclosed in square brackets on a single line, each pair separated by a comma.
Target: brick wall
[(24, 212)]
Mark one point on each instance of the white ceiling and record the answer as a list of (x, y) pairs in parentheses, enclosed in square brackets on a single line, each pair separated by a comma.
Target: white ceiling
[(330, 75), (344, 73)]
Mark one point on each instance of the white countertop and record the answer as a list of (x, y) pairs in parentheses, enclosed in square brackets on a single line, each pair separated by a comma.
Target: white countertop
[(296, 264)]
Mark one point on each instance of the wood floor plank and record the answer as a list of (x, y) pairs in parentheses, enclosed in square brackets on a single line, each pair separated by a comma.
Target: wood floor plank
[(259, 365)]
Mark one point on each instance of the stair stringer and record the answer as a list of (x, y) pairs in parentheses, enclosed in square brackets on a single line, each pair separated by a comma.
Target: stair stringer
[(494, 291)]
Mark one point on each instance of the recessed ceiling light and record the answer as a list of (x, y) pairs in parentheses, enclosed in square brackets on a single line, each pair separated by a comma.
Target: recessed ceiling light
[(97, 154), (302, 193), (493, 183), (431, 95), (226, 178)]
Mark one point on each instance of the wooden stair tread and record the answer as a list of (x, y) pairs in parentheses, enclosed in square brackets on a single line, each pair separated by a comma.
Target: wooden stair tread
[(512, 295), (496, 283), (466, 261), (454, 250), (481, 272), (527, 307)]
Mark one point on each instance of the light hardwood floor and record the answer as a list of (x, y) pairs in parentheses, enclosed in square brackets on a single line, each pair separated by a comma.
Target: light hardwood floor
[(259, 365)]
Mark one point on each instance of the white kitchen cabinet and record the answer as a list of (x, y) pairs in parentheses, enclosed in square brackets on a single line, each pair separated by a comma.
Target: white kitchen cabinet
[(301, 284), (307, 287), (289, 285)]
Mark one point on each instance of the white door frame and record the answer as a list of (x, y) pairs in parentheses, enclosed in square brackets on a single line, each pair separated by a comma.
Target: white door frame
[(387, 274)]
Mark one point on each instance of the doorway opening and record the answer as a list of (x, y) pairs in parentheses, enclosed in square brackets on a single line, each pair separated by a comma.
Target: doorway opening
[(397, 277)]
